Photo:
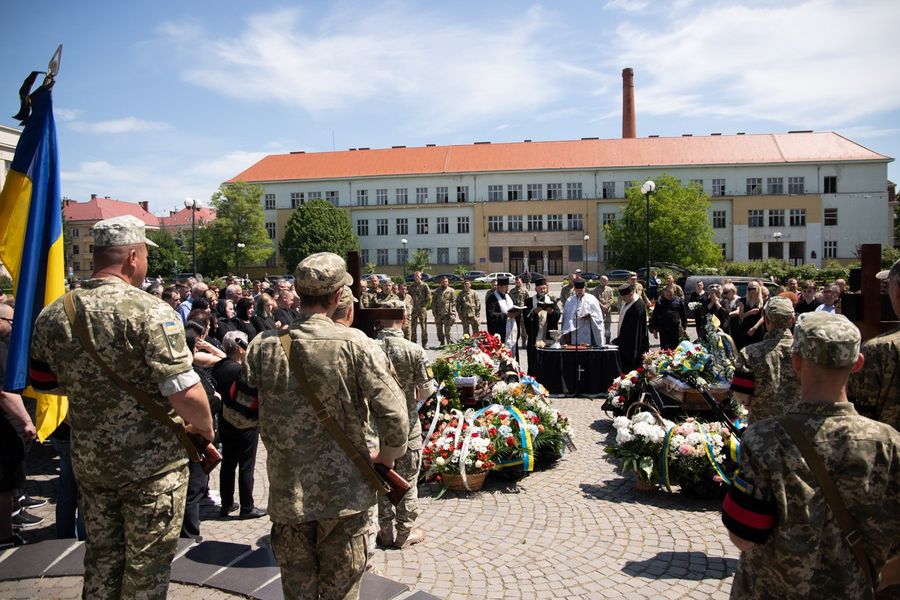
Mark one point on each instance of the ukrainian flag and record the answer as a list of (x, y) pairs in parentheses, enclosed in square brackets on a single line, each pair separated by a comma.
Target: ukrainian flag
[(31, 246)]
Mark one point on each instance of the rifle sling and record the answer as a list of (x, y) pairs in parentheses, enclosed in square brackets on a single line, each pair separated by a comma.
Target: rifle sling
[(142, 397), (363, 463)]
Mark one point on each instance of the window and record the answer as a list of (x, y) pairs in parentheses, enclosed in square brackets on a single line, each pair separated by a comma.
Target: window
[(575, 222), (402, 256), (609, 218), (76, 232), (573, 191), (362, 227), (776, 217), (724, 251), (362, 197), (76, 250), (462, 224), (554, 223), (609, 189), (381, 227), (421, 195), (495, 223), (831, 249), (576, 254), (422, 225), (554, 191), (443, 256), (718, 219), (754, 251), (78, 266), (462, 256), (754, 186), (514, 192), (535, 222), (270, 201), (402, 196), (317, 195), (796, 185), (798, 217), (774, 185), (381, 197), (403, 226), (515, 223), (443, 224), (331, 196), (830, 185), (442, 195), (607, 254), (535, 191), (271, 261), (754, 218), (296, 199), (495, 193), (91, 249), (718, 187), (381, 258), (776, 250), (364, 256), (270, 229), (696, 182), (462, 193), (831, 218), (495, 254)]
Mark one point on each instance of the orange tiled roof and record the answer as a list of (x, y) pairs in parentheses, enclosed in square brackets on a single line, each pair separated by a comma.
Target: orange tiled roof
[(183, 217), (98, 209), (574, 154)]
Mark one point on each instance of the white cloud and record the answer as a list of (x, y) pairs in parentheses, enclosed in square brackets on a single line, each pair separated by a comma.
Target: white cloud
[(819, 64), (67, 114), (441, 73), (627, 5), (115, 126)]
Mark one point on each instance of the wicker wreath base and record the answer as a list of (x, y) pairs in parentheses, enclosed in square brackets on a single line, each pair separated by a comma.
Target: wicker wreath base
[(455, 482)]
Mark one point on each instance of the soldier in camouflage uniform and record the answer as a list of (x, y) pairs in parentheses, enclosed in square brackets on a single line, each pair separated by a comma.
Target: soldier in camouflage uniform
[(374, 292), (875, 389), (385, 294), (519, 294), (406, 299), (777, 386), (364, 294), (421, 296), (131, 468), (566, 290), (443, 307), (318, 499), (468, 307), (775, 511), (409, 363)]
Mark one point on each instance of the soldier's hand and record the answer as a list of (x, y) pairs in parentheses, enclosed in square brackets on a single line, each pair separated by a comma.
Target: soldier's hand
[(377, 458), (207, 434)]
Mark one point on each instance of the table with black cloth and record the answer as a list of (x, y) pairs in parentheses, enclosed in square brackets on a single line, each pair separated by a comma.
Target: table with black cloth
[(558, 370)]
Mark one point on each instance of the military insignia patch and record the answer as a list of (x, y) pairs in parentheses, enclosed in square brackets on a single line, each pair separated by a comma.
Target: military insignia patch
[(174, 338)]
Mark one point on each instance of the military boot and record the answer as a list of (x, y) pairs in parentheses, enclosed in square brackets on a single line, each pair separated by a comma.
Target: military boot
[(385, 537), (406, 539)]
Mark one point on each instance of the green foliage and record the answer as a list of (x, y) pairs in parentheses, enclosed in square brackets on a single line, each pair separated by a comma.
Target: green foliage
[(889, 256), (169, 259), (462, 270), (239, 219), (419, 261), (783, 270), (369, 268), (680, 230), (317, 226), (6, 284)]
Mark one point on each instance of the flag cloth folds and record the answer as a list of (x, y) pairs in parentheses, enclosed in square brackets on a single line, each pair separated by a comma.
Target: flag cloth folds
[(31, 246)]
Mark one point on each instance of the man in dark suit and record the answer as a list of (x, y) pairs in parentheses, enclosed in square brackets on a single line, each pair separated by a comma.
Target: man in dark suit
[(633, 338)]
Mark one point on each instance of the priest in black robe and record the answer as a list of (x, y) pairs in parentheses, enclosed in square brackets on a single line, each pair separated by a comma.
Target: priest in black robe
[(538, 308), (501, 316), (633, 338)]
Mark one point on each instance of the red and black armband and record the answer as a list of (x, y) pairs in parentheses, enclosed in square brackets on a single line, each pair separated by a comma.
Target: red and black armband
[(251, 394), (41, 376), (747, 517)]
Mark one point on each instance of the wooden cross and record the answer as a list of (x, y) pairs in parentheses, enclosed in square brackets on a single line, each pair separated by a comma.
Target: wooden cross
[(364, 318), (869, 321)]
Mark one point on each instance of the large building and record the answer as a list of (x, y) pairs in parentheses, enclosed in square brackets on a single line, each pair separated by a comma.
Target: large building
[(806, 197)]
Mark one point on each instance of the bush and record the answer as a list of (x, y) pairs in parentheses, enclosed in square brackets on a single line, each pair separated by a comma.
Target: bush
[(783, 270)]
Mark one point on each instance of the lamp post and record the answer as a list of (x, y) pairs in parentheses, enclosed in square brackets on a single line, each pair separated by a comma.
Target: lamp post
[(240, 249), (194, 205), (647, 188), (777, 237), (584, 258), (404, 241)]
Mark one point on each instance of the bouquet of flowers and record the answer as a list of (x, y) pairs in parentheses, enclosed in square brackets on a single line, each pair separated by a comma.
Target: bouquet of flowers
[(626, 390), (548, 428), (698, 457), (462, 444), (639, 443)]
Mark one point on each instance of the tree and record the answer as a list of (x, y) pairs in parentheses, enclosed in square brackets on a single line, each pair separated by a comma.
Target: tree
[(239, 219), (169, 259), (680, 229), (317, 226), (419, 261)]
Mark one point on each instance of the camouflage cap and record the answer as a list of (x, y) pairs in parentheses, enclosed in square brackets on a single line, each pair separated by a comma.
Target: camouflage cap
[(347, 298), (394, 303), (889, 274), (126, 230), (779, 311), (826, 339), (321, 273)]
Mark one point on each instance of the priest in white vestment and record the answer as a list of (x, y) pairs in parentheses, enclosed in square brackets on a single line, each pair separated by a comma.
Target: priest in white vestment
[(582, 321)]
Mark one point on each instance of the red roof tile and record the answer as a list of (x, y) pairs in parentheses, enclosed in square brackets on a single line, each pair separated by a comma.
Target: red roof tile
[(98, 209), (574, 154), (183, 217)]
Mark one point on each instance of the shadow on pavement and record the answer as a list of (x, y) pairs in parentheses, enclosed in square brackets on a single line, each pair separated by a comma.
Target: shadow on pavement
[(622, 491), (694, 566)]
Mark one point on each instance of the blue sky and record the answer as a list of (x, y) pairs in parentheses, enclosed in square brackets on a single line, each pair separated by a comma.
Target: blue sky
[(162, 100)]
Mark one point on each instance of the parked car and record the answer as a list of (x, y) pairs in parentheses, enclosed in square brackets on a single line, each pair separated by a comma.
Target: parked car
[(273, 279), (410, 277), (451, 277), (381, 277), (473, 275), (739, 282), (590, 275), (619, 274), (492, 277), (530, 276)]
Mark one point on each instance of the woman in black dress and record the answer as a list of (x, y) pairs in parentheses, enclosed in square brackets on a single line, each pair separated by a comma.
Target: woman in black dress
[(244, 312), (750, 316)]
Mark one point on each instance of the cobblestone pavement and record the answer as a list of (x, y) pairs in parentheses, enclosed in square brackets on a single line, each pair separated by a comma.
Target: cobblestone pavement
[(574, 530)]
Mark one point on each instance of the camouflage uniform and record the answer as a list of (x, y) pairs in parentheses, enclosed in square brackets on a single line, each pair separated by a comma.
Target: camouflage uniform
[(318, 499), (604, 295), (407, 303), (564, 294), (131, 469), (421, 295), (468, 307), (875, 389), (409, 363), (443, 307), (777, 386), (519, 295)]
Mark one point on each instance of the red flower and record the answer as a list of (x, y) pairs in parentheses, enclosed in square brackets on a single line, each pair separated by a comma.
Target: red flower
[(492, 431), (640, 369), (444, 402), (475, 434), (634, 380), (510, 440)]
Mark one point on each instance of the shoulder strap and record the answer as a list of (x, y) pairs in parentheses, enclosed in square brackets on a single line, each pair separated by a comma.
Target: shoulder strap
[(363, 463), (142, 397), (845, 520)]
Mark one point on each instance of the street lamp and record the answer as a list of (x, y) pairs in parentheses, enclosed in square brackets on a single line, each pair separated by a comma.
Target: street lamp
[(647, 188), (404, 241), (240, 249), (584, 257), (194, 205)]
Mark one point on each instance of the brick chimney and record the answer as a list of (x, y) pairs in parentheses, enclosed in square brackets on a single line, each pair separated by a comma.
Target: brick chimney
[(629, 129), (93, 196), (145, 205)]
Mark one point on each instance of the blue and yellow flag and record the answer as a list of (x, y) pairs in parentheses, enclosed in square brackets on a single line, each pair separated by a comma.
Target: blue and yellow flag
[(31, 245)]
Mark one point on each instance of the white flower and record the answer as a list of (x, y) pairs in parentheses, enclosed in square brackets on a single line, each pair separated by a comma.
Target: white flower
[(621, 422), (694, 439), (500, 389), (623, 436), (533, 429), (440, 461), (479, 464), (504, 430)]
